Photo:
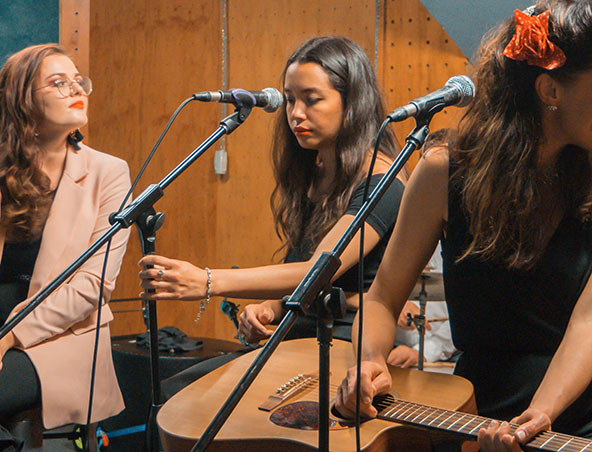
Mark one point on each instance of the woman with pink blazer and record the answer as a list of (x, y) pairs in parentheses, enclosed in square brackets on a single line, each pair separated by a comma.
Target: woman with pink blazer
[(57, 195)]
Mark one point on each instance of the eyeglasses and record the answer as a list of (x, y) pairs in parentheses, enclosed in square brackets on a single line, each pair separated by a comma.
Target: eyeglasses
[(67, 87)]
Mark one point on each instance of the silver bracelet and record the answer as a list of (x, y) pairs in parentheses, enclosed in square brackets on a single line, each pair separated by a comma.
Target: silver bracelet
[(204, 302)]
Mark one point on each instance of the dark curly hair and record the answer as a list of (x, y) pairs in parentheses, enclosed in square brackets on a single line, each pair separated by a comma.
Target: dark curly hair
[(499, 136)]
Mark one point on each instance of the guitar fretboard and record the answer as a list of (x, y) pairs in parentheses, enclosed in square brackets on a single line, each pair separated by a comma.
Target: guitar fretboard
[(468, 425)]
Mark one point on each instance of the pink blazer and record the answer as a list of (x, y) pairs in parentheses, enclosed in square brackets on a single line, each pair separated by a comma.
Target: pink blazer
[(58, 336)]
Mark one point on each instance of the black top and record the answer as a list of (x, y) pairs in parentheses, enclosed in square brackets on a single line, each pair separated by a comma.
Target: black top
[(382, 219), (16, 269), (509, 323)]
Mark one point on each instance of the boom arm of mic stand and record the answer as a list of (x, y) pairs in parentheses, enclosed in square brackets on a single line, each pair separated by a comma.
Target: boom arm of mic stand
[(316, 279), (127, 216)]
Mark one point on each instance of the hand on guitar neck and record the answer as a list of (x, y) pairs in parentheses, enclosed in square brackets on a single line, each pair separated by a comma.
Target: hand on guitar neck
[(496, 437)]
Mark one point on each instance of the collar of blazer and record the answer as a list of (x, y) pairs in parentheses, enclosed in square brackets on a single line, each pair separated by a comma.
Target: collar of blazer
[(62, 220)]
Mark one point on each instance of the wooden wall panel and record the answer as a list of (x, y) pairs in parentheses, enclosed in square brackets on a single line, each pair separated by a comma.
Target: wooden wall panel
[(416, 57), (146, 56), (74, 30)]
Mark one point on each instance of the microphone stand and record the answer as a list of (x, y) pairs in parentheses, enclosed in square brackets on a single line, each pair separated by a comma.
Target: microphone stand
[(147, 224), (140, 209), (305, 300)]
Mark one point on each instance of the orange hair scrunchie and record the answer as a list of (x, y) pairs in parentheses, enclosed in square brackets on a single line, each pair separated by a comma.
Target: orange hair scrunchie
[(531, 42)]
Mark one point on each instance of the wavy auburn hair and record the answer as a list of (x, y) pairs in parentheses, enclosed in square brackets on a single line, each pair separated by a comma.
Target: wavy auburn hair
[(499, 137), (351, 74), (25, 189)]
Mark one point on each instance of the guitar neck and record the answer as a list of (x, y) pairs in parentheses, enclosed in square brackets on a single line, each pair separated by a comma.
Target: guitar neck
[(468, 425)]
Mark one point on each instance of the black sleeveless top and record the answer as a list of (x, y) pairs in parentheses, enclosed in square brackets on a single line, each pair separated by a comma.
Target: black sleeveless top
[(382, 219), (509, 323)]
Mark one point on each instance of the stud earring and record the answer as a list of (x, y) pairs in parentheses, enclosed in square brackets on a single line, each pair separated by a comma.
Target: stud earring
[(552, 108)]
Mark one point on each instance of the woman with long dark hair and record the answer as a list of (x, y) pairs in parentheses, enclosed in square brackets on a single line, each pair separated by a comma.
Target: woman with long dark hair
[(56, 197), (509, 197), (321, 153)]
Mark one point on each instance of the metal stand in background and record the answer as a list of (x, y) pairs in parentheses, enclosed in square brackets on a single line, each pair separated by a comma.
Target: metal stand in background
[(147, 224), (419, 320)]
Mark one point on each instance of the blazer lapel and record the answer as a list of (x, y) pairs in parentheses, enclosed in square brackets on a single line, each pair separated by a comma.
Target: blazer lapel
[(62, 219)]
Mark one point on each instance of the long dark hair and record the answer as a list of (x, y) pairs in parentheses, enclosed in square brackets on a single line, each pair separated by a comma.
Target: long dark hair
[(498, 138), (25, 188), (351, 74)]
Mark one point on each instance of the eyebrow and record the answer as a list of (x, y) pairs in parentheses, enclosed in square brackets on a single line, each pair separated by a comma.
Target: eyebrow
[(306, 90), (61, 74)]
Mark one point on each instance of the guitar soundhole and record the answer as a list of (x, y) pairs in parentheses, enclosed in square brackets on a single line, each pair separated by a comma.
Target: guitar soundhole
[(302, 416)]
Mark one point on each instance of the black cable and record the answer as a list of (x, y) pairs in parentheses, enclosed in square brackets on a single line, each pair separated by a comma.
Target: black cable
[(361, 283), (102, 283)]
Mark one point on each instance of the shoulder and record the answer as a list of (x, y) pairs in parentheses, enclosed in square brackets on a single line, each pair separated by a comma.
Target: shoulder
[(437, 158), (101, 159), (433, 166), (106, 171)]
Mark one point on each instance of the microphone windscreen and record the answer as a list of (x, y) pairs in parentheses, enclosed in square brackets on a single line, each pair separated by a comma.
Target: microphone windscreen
[(274, 99), (467, 87)]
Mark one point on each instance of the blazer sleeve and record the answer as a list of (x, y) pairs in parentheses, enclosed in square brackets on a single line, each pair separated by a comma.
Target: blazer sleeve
[(75, 302)]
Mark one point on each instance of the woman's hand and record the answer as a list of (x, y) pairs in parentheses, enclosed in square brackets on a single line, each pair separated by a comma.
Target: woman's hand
[(252, 322), (172, 279), (497, 437), (403, 356), (412, 309), (375, 379), (6, 343)]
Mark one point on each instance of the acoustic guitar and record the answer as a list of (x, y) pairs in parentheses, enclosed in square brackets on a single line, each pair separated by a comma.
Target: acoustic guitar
[(278, 411)]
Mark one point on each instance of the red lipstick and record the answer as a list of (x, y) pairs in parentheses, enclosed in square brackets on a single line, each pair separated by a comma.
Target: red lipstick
[(78, 104), (301, 131)]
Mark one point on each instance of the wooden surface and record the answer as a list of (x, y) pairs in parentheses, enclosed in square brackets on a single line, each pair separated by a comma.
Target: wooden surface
[(185, 416), (417, 57), (75, 31), (147, 56)]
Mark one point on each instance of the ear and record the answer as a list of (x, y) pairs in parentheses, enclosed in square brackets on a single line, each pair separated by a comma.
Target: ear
[(547, 89)]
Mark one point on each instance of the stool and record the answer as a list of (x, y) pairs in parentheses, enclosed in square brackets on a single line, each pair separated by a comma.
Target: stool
[(28, 427), (132, 365)]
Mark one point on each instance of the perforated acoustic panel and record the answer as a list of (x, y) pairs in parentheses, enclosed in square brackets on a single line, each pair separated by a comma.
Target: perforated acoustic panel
[(466, 21)]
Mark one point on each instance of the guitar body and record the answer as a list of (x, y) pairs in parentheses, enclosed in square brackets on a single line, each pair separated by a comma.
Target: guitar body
[(184, 418)]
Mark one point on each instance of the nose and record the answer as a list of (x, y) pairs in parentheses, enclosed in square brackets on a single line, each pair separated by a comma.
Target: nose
[(75, 88), (297, 112)]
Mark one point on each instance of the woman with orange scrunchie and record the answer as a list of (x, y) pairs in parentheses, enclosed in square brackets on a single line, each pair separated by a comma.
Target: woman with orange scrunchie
[(509, 194)]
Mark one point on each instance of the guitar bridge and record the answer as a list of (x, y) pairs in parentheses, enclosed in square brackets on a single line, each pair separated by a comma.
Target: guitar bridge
[(289, 389)]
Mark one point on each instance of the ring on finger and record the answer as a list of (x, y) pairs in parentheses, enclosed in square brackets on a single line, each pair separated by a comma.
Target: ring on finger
[(160, 274)]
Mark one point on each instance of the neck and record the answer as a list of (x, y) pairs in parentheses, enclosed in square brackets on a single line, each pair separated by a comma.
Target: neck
[(328, 163), (551, 145), (54, 149)]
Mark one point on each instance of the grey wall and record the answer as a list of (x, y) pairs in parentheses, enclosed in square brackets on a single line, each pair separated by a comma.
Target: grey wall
[(466, 21), (27, 22)]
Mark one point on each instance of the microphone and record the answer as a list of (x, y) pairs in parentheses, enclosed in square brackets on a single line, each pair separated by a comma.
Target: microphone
[(458, 90), (269, 98)]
